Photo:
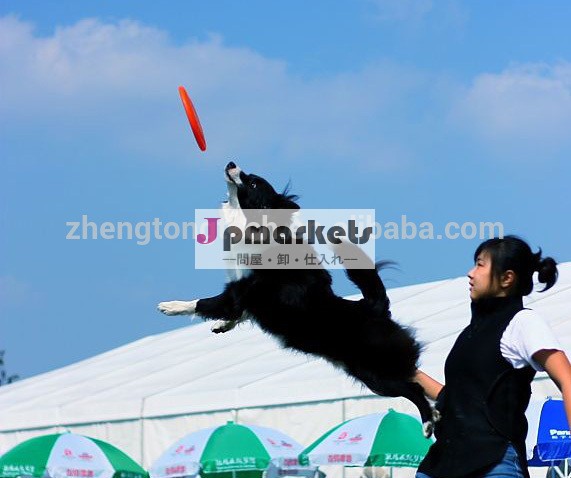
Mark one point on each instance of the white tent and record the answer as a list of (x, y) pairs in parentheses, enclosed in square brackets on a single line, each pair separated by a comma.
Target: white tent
[(147, 394)]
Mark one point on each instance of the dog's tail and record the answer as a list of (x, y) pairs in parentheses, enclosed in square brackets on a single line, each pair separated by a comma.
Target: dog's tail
[(364, 273)]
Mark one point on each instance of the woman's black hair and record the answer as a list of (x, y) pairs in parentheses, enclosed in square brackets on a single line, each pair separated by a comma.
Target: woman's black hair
[(513, 253)]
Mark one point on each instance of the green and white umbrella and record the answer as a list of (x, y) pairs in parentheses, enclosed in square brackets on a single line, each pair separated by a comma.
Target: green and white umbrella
[(380, 439), (231, 450), (67, 455)]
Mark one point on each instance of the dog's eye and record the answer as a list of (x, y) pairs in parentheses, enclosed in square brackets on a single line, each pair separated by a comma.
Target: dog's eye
[(253, 184)]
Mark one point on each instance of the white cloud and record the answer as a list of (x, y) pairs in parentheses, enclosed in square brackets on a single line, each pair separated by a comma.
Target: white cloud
[(118, 83), (522, 107)]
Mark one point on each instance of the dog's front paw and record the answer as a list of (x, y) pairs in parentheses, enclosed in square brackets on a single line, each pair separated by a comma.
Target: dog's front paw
[(178, 307), (221, 326)]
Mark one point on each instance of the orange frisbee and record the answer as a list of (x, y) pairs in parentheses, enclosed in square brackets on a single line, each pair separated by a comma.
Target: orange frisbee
[(192, 118)]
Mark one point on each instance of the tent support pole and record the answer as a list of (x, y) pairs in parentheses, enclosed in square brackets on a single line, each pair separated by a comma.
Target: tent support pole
[(142, 426)]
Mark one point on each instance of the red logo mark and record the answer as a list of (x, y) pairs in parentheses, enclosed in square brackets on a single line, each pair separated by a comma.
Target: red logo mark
[(74, 473), (339, 458), (175, 470), (356, 438), (181, 449)]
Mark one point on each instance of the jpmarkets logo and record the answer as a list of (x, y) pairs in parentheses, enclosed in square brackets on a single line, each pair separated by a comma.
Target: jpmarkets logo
[(273, 239), (284, 235)]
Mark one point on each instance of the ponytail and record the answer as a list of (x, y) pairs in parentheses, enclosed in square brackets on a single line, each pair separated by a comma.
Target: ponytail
[(547, 272)]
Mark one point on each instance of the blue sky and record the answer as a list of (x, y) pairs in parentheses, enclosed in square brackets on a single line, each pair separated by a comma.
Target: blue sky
[(441, 111)]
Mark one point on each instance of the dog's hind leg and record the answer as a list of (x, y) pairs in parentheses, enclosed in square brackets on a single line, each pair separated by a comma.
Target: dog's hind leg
[(411, 391), (415, 393)]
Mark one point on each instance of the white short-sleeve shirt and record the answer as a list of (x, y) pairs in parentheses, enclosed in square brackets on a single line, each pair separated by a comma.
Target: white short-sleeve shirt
[(526, 334)]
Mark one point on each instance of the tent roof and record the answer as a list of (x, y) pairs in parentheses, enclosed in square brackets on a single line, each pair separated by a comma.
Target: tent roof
[(191, 370)]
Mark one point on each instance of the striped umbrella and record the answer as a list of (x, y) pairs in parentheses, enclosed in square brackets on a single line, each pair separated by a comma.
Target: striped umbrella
[(380, 439), (231, 449), (67, 455)]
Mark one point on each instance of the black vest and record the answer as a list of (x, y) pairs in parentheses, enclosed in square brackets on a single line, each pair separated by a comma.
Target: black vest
[(484, 400)]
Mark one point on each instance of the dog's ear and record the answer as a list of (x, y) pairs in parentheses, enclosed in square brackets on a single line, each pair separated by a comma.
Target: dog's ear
[(285, 202)]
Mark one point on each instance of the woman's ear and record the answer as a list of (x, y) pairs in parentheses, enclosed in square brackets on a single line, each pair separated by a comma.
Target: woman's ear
[(508, 280)]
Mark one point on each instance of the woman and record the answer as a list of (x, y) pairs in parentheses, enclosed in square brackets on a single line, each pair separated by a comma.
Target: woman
[(482, 429)]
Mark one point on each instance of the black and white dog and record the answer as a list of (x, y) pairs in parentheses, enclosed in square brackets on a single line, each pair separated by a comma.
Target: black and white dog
[(299, 307)]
